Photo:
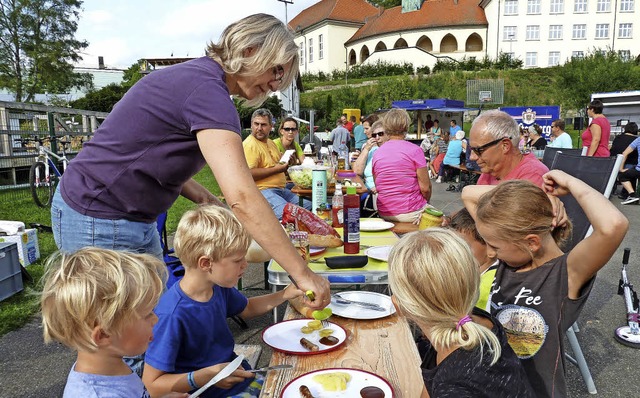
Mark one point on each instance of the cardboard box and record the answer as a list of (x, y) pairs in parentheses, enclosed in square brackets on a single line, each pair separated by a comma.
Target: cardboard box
[(28, 249)]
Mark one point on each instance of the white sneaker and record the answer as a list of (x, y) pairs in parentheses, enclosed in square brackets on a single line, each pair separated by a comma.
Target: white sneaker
[(439, 180), (631, 199)]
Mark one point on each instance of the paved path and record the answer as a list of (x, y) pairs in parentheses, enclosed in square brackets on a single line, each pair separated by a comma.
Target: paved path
[(29, 368)]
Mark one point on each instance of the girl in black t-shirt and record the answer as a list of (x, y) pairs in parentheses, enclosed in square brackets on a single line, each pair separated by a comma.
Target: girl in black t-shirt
[(434, 279)]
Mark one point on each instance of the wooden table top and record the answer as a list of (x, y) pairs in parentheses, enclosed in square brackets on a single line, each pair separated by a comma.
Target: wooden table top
[(383, 346)]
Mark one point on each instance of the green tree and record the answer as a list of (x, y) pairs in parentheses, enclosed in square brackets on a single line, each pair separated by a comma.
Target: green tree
[(385, 3), (38, 47), (101, 100), (132, 74), (597, 72)]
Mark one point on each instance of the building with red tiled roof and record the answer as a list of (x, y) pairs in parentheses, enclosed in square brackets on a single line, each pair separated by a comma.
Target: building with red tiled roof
[(333, 34)]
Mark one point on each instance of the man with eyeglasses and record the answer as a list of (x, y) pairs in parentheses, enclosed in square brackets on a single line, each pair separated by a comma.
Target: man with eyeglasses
[(263, 158), (494, 146), (561, 138)]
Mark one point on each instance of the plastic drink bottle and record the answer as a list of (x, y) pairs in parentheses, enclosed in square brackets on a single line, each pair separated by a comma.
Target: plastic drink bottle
[(318, 189), (351, 213), (337, 205)]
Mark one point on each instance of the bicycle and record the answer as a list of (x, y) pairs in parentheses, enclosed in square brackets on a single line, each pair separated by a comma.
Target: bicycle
[(44, 174)]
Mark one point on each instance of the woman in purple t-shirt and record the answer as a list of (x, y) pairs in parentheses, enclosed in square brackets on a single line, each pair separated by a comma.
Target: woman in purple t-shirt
[(165, 129), (400, 171)]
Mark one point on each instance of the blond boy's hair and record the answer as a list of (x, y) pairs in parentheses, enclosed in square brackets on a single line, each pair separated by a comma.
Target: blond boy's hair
[(97, 287), (209, 231), (435, 281)]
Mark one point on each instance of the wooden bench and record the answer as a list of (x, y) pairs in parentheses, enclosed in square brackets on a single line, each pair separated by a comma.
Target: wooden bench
[(470, 179), (251, 353)]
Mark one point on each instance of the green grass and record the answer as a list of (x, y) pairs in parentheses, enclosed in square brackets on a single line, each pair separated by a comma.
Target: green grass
[(18, 309)]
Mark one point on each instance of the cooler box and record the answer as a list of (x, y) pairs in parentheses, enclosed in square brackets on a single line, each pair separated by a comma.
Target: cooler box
[(10, 275), (27, 241)]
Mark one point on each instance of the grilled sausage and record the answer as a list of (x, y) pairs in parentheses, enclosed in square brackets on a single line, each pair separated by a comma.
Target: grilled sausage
[(308, 345), (304, 392)]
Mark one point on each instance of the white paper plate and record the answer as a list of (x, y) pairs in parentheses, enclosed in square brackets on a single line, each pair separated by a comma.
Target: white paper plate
[(354, 311), (379, 252), (359, 380), (285, 337), (375, 224)]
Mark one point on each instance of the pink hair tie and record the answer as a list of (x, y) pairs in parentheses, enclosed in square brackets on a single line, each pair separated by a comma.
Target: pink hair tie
[(462, 321)]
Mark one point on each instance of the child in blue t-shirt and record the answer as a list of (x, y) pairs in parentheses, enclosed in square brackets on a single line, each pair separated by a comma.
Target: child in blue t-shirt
[(100, 303), (192, 341)]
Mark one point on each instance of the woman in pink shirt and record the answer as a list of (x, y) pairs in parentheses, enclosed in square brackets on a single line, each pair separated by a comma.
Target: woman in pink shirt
[(596, 136), (400, 171)]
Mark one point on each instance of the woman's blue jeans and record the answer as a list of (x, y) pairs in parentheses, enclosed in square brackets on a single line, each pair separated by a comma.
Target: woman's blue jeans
[(73, 231)]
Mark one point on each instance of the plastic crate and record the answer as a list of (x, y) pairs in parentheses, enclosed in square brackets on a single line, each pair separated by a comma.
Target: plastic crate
[(10, 274)]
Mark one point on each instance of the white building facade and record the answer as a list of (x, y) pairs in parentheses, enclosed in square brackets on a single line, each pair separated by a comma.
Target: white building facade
[(546, 33), (542, 33)]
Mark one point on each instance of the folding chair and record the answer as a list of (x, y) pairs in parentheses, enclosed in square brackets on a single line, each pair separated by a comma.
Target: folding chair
[(600, 174), (550, 154), (174, 265)]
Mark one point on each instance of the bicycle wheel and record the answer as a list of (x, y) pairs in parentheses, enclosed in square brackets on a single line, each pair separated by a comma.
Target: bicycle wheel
[(42, 191)]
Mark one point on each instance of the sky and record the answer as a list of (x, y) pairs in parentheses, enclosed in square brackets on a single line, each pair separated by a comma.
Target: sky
[(124, 31)]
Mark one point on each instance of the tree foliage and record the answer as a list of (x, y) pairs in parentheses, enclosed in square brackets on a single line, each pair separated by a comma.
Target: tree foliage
[(101, 100), (597, 72), (385, 3), (38, 47)]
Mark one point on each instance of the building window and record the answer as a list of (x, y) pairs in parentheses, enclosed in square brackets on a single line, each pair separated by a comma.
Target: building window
[(580, 31), (511, 7), (625, 55), (310, 50), (554, 58), (577, 54), (602, 31), (557, 7), (533, 32), (555, 32), (533, 7), (580, 6), (625, 30), (604, 6), (301, 53), (509, 33), (531, 59), (626, 5), (320, 47)]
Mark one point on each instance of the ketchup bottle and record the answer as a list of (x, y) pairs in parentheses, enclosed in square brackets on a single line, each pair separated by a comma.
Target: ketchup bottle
[(351, 214)]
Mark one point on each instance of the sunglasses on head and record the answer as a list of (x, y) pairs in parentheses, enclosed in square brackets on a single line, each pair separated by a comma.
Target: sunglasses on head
[(290, 129), (378, 134), (478, 150)]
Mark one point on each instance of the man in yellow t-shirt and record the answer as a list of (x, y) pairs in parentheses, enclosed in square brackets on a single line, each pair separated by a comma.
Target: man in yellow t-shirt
[(263, 158)]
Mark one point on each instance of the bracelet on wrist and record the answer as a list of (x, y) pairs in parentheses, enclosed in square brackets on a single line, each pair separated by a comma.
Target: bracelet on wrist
[(192, 382)]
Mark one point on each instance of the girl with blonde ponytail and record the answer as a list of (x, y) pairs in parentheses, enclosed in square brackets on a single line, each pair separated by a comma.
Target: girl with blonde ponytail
[(434, 279)]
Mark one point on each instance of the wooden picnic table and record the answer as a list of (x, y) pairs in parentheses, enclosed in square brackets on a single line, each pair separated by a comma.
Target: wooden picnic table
[(382, 346)]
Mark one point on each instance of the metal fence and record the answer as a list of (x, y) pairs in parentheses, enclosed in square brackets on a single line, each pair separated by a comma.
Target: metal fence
[(20, 124)]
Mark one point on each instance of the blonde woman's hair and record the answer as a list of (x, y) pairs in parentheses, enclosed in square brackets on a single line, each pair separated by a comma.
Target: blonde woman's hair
[(434, 279), (517, 208), (396, 122), (209, 231), (274, 45), (97, 287)]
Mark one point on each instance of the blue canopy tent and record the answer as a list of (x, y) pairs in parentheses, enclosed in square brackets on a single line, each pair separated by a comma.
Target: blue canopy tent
[(443, 109)]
